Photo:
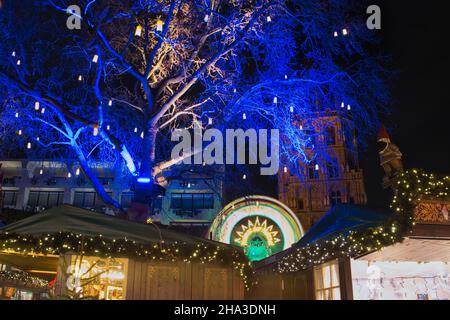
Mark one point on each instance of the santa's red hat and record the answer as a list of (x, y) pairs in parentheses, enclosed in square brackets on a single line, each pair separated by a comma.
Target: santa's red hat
[(383, 134)]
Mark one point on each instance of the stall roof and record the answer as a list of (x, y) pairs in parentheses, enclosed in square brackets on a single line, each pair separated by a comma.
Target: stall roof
[(342, 219), (75, 220)]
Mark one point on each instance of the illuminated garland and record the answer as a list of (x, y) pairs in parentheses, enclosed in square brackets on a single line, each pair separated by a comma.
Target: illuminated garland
[(410, 188), (61, 243), (22, 277)]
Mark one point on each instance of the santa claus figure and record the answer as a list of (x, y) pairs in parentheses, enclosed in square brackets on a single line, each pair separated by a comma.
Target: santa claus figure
[(390, 155)]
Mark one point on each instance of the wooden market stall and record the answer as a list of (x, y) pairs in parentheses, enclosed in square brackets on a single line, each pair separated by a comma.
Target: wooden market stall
[(102, 257)]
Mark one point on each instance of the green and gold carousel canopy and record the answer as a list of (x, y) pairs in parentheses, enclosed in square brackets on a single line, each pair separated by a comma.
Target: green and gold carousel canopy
[(70, 229)]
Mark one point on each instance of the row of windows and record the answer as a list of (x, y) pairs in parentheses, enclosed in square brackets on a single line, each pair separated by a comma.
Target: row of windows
[(48, 199), (192, 201)]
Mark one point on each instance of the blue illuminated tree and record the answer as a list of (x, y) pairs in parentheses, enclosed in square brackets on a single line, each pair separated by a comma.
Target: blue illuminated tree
[(114, 89)]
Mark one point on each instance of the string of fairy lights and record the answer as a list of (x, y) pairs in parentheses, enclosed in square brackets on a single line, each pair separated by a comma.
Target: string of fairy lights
[(410, 188), (23, 278), (64, 242)]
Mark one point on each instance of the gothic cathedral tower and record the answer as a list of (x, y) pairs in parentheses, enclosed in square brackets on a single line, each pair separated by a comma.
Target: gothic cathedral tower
[(325, 182)]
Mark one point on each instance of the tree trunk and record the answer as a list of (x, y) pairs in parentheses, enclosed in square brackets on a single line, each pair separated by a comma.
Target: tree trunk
[(93, 178)]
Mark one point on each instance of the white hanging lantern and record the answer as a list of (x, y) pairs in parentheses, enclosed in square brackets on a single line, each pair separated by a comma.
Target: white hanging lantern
[(135, 130), (286, 76), (349, 107), (342, 105), (210, 121), (36, 105), (159, 25), (29, 145), (244, 177), (138, 31), (18, 62), (110, 102), (13, 54), (77, 172), (95, 59), (80, 77), (291, 109), (345, 32), (108, 127), (285, 169), (17, 115), (41, 171), (19, 132), (206, 18), (336, 34), (38, 139), (142, 135), (275, 100), (269, 19), (316, 167), (95, 132), (43, 110), (69, 175), (244, 116)]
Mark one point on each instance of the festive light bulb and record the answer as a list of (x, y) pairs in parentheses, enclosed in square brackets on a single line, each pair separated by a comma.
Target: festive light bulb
[(29, 145), (80, 77), (291, 109), (234, 90), (19, 132), (69, 175), (275, 100), (77, 172), (285, 169), (95, 132), (110, 103), (43, 110), (38, 139), (244, 116), (18, 62), (142, 135), (95, 59), (210, 121), (206, 18), (36, 105), (301, 127), (135, 130), (108, 127), (244, 177), (17, 115), (316, 167), (342, 105), (349, 108), (345, 32), (286, 76), (41, 172), (269, 19), (13, 54), (138, 31), (159, 25), (336, 34)]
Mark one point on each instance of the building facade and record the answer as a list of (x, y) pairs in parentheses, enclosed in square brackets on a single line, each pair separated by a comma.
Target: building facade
[(325, 182)]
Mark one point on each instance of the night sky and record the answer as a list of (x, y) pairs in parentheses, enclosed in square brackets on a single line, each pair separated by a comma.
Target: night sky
[(417, 37)]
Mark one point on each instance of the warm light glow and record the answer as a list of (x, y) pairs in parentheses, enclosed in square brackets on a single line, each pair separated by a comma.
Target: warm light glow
[(95, 59), (159, 25), (138, 31), (36, 105)]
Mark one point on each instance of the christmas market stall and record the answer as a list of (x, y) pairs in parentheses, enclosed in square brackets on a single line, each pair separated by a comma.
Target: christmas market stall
[(20, 285), (102, 257), (363, 254)]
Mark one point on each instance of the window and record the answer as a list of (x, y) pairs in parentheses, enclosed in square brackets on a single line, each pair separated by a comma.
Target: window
[(300, 204), (326, 282), (88, 199), (126, 199), (10, 198), (330, 136), (192, 201), (333, 169), (47, 199), (313, 173), (335, 197)]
